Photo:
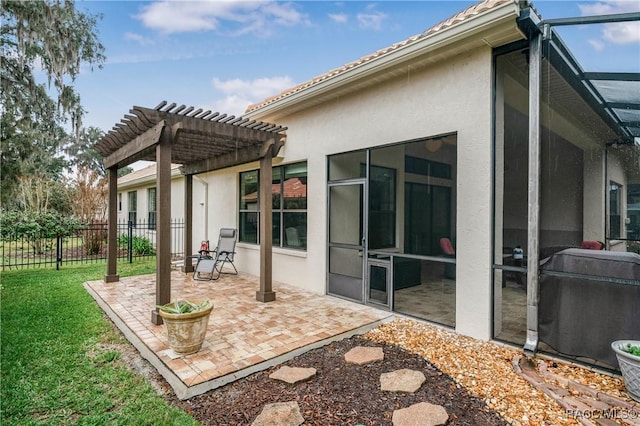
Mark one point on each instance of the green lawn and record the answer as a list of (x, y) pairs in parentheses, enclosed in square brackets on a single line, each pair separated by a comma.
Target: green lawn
[(54, 366)]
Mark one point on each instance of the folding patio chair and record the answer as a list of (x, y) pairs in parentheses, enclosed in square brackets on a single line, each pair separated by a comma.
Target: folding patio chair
[(211, 262)]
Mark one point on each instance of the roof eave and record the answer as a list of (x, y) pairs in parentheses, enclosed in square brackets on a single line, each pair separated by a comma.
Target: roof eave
[(501, 17)]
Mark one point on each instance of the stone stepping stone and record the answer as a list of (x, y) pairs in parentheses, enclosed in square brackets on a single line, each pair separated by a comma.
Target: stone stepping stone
[(404, 380), (293, 374), (281, 414), (364, 355), (421, 414)]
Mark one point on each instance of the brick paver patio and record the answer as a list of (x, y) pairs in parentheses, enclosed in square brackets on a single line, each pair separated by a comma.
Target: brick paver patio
[(244, 336)]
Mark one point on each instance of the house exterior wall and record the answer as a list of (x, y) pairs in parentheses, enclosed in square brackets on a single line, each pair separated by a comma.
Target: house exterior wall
[(142, 189), (594, 197), (616, 173), (451, 96), (222, 189)]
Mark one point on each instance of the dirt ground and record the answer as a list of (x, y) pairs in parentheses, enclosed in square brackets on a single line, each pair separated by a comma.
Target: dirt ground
[(340, 393), (473, 380)]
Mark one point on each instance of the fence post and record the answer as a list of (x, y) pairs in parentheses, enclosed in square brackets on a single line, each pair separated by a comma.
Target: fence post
[(58, 252), (130, 242)]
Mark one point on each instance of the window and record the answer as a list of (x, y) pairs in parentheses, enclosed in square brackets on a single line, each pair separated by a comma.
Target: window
[(289, 204), (120, 201), (248, 207), (152, 208), (133, 205), (293, 207), (633, 214), (615, 190)]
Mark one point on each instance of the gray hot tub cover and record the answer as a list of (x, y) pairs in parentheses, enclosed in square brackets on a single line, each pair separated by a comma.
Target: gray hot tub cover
[(581, 317)]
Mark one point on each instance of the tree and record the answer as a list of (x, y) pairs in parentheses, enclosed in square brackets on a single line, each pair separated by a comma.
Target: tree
[(39, 194), (82, 152), (52, 37), (124, 171), (89, 206), (89, 196)]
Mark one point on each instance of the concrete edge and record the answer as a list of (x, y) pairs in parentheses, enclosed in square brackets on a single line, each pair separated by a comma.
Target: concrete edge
[(176, 383)]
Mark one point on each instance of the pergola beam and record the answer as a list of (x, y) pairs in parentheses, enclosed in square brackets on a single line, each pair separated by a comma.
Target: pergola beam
[(138, 145), (246, 155), (212, 127)]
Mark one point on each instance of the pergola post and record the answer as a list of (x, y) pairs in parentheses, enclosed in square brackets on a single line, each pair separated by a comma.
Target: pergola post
[(266, 294), (163, 224), (188, 222), (112, 230)]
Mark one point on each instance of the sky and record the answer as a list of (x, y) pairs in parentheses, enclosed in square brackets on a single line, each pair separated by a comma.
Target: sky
[(226, 55)]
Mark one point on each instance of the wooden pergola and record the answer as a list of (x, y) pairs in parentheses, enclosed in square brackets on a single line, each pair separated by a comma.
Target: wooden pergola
[(201, 141)]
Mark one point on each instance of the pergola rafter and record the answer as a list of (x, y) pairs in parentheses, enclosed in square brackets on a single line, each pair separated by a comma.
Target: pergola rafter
[(201, 141), (214, 129)]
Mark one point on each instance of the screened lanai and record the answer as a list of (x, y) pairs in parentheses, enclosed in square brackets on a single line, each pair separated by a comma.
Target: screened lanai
[(567, 175), (200, 141), (567, 171)]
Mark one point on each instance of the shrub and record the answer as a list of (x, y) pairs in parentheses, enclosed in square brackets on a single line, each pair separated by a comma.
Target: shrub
[(140, 246), (94, 239), (29, 224), (36, 227)]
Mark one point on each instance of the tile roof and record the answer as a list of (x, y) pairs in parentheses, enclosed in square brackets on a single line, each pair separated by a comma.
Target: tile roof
[(462, 16), (146, 173)]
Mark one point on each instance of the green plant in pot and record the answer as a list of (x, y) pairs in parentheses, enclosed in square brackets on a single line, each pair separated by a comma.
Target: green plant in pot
[(186, 324), (628, 354)]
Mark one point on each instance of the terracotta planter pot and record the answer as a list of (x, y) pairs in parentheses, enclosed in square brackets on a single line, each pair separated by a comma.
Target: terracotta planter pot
[(629, 366), (186, 332)]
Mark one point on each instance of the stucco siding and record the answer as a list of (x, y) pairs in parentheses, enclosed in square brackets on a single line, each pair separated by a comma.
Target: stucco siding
[(453, 96)]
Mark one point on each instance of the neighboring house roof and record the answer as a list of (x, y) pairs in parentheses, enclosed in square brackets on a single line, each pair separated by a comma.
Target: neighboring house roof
[(293, 188), (461, 17), (144, 175)]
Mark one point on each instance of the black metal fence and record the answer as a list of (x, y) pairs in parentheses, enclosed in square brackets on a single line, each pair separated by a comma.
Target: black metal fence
[(89, 244)]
